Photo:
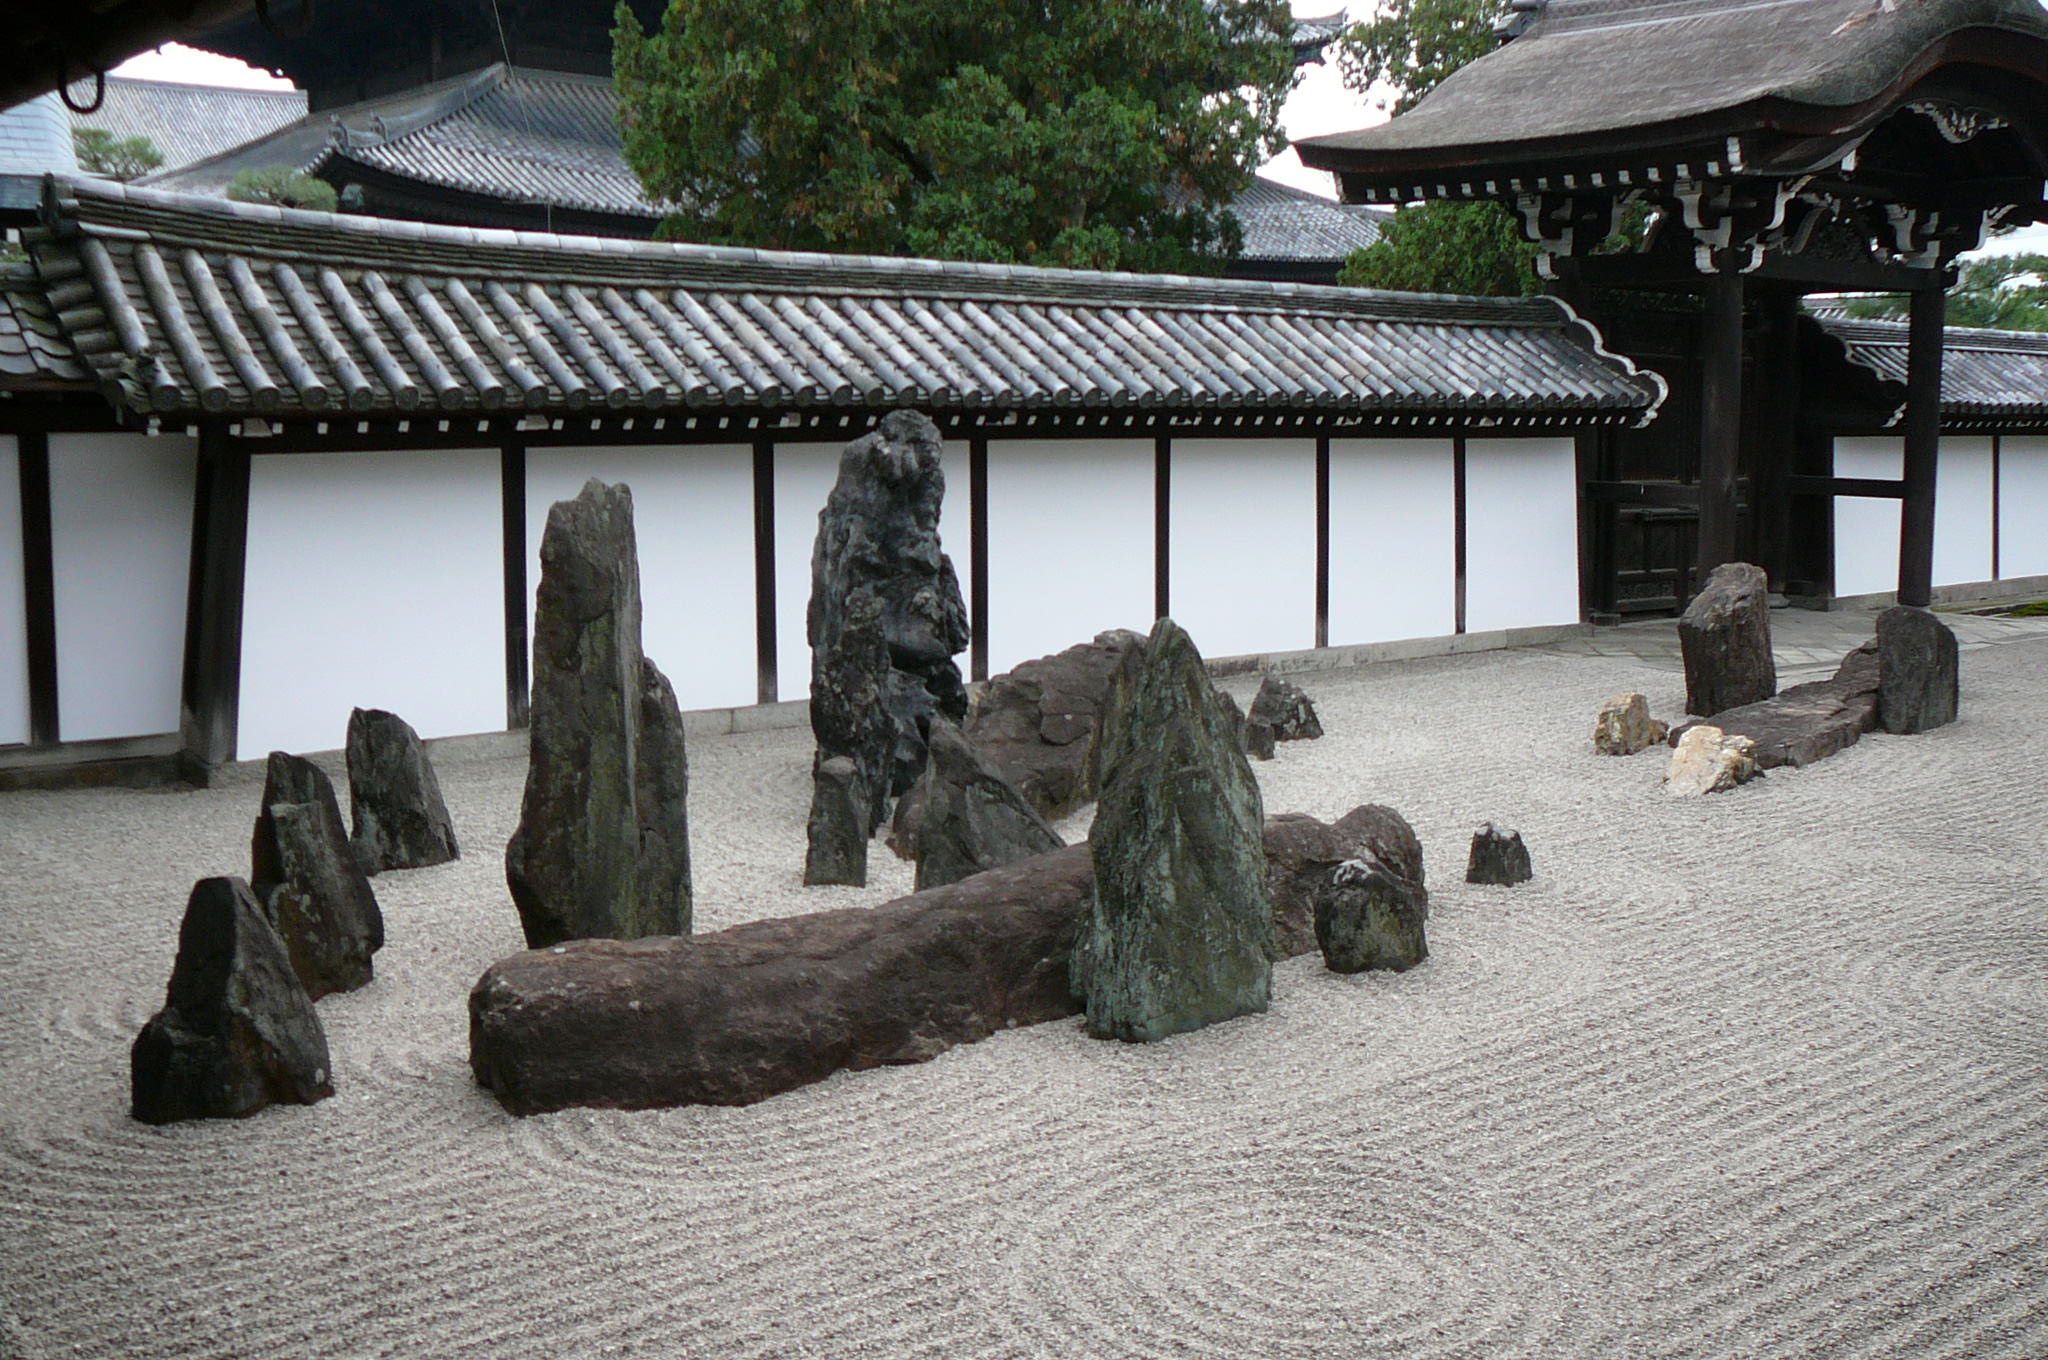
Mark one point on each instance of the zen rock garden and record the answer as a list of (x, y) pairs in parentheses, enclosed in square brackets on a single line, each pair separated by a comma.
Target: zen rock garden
[(1902, 681)]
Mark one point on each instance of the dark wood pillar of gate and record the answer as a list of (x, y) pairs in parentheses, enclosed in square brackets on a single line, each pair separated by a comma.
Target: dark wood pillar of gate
[(213, 606), (1720, 421), (1775, 428), (1923, 439)]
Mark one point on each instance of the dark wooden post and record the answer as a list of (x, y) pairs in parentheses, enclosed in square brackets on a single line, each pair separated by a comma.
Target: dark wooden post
[(1162, 527), (1720, 420), (39, 585), (1323, 541), (512, 514), (213, 606), (1923, 440), (767, 665), (1776, 432), (977, 558)]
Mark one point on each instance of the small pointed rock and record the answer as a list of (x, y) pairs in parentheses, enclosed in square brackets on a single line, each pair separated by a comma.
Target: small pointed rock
[(974, 820), (401, 820), (1286, 709), (1624, 726), (305, 876), (1498, 857), (237, 1031), (836, 836)]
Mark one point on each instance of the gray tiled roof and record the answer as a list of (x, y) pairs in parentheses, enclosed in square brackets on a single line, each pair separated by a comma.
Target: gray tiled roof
[(33, 349), (183, 303), (188, 122), (1593, 66), (527, 136), (1985, 375)]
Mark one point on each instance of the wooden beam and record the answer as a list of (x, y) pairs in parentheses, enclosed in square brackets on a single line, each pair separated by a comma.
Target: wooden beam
[(977, 556), (211, 701), (1874, 487), (1322, 542), (39, 585), (766, 664), (512, 508), (1922, 425), (1162, 528), (1720, 420), (1458, 546)]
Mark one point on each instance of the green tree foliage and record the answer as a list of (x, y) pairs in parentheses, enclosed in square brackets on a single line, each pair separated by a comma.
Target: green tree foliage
[(2002, 292), (1407, 49), (1087, 133), (100, 152), (1443, 247), (283, 186), (1397, 57)]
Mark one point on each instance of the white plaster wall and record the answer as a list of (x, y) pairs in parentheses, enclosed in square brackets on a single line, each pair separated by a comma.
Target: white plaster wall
[(375, 580), (13, 605), (1521, 533), (1962, 511), (804, 477), (1866, 527), (1393, 552), (2023, 505), (1070, 540), (693, 516), (121, 530), (1242, 545)]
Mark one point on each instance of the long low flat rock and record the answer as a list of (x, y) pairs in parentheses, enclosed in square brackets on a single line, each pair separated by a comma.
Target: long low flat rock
[(749, 1012), (1807, 722)]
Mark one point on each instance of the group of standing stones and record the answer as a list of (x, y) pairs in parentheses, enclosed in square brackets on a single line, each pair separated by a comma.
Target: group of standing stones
[(1903, 681), (238, 1030)]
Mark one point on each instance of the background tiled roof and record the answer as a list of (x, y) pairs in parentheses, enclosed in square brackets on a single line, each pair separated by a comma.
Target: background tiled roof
[(188, 122), (1984, 374)]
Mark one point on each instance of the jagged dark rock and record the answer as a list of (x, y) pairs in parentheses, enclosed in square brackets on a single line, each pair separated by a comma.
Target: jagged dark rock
[(1286, 709), (401, 820), (1038, 722), (1918, 671), (1807, 722), (1180, 932), (1258, 740), (304, 875), (1368, 919), (1302, 855), (602, 847), (1498, 857), (1725, 636), (739, 1015), (879, 532), (836, 837), (974, 820), (846, 701), (237, 1031)]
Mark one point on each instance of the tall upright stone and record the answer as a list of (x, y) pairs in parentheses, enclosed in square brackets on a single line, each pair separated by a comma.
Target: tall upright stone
[(846, 701), (1917, 671), (1725, 636), (1179, 933), (401, 820), (237, 1031), (879, 532), (603, 844), (304, 874)]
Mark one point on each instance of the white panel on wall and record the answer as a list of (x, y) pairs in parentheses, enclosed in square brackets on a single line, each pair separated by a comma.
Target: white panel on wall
[(1242, 545), (804, 477), (13, 605), (375, 580), (1521, 533), (2023, 505), (1070, 540), (693, 516), (1393, 553), (121, 531), (1867, 527), (1962, 511)]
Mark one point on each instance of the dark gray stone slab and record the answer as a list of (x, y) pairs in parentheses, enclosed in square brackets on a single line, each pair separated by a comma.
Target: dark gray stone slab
[(974, 820), (1498, 857), (237, 1031), (1180, 930), (1918, 667), (836, 836), (879, 533), (401, 820), (602, 847), (1807, 722), (1725, 636)]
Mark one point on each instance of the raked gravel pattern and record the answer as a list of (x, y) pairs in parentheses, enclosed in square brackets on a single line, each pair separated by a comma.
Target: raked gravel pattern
[(1756, 1075)]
